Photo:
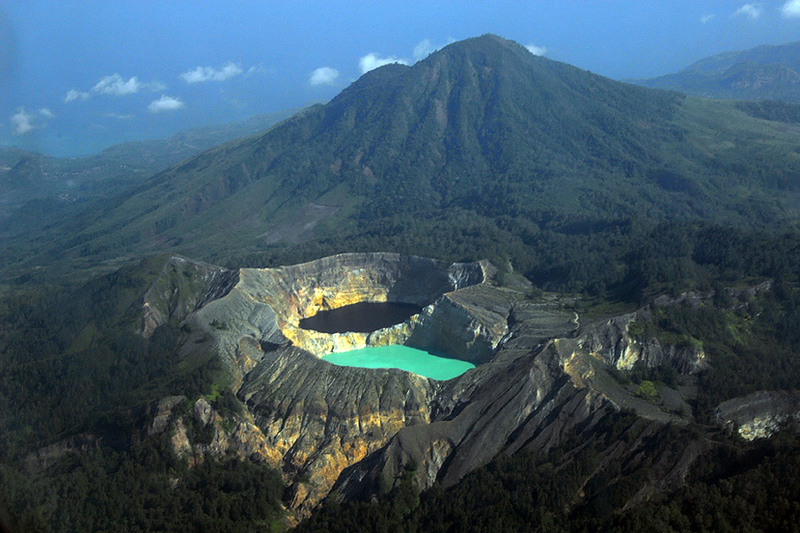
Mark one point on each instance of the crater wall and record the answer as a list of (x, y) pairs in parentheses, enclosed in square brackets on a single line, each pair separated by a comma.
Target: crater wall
[(295, 292), (262, 310), (316, 419)]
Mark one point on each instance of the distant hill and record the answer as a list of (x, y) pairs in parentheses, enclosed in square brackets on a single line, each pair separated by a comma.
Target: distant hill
[(482, 149), (154, 155), (761, 73), (26, 176), (37, 191)]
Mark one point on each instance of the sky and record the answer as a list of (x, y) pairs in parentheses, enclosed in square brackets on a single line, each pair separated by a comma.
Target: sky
[(79, 76)]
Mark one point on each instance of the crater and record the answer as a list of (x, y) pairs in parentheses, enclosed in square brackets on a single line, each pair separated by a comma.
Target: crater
[(361, 317), (418, 361), (349, 302)]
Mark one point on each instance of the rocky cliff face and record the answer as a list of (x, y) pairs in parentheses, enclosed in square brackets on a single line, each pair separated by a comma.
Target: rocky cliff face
[(197, 430), (300, 291), (319, 419), (467, 323), (759, 415), (613, 342), (548, 378)]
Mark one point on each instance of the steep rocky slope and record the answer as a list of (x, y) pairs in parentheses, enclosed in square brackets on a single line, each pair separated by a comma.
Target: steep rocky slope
[(540, 376)]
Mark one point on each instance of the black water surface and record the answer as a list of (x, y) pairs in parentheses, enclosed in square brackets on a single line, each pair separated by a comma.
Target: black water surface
[(363, 317)]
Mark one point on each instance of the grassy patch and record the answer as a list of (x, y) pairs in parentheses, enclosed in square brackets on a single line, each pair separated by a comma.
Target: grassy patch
[(647, 391)]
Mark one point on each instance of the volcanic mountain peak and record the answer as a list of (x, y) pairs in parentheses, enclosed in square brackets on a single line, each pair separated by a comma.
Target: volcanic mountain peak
[(481, 127)]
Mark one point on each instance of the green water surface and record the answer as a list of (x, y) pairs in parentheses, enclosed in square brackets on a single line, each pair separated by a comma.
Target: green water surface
[(403, 357)]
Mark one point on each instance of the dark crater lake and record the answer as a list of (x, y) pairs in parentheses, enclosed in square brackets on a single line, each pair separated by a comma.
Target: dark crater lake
[(362, 317)]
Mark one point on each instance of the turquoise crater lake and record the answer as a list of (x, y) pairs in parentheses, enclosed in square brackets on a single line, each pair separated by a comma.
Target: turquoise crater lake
[(405, 358)]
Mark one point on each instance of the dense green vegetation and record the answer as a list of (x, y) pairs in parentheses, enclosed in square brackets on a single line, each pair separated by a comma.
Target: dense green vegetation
[(752, 341), (733, 488), (772, 110), (628, 260), (72, 363), (71, 358), (142, 488)]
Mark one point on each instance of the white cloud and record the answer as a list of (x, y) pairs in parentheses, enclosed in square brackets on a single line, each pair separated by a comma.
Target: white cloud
[(536, 50), (75, 94), (22, 122), (116, 85), (752, 11), (423, 49), (706, 18), (46, 113), (373, 61), (323, 76), (165, 103), (201, 74), (791, 9)]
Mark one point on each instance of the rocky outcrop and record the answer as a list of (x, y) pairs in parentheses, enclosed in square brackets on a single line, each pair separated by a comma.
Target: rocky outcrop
[(468, 323), (198, 431), (44, 458), (612, 341), (183, 287), (759, 415)]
